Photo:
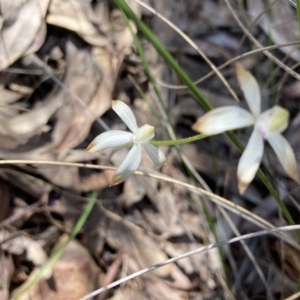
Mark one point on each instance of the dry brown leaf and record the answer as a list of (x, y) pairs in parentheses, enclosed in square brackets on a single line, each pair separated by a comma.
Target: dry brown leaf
[(138, 245), (158, 289), (123, 235), (172, 224), (61, 120), (96, 181), (61, 176), (181, 280), (110, 276), (99, 101), (38, 40), (7, 268), (20, 244), (107, 64), (92, 25), (167, 220), (72, 15), (60, 99), (80, 70), (66, 177), (204, 264), (190, 264), (128, 293), (6, 112), (22, 32), (80, 155), (25, 90), (8, 96), (34, 122), (135, 188), (66, 108), (32, 186), (75, 274)]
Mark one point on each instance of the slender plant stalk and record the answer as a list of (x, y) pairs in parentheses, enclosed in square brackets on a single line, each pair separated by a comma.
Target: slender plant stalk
[(62, 248), (171, 142), (150, 36), (146, 67), (298, 12), (179, 141)]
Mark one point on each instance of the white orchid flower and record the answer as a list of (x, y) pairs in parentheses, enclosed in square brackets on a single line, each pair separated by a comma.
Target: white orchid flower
[(138, 138), (267, 125)]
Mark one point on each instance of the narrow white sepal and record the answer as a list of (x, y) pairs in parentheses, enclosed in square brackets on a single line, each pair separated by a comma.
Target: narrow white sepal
[(155, 154), (126, 114), (223, 119), (285, 154), (250, 161), (129, 165), (110, 139), (250, 89)]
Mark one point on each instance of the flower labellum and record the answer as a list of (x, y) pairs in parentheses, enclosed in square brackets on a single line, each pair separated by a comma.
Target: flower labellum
[(138, 138), (267, 125)]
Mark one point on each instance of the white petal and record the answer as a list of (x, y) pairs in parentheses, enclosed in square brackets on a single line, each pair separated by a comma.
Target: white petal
[(273, 120), (250, 161), (126, 114), (155, 154), (250, 88), (110, 139), (222, 119), (285, 154), (129, 165), (144, 134)]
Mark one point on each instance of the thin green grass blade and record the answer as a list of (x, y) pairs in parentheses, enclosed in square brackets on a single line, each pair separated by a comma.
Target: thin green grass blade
[(150, 36), (147, 68), (139, 48), (298, 12), (62, 248)]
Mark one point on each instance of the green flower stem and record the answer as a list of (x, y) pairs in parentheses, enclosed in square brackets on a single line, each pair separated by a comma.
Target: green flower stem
[(150, 36), (180, 141)]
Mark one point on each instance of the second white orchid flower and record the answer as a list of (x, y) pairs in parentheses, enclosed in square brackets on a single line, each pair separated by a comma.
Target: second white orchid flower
[(267, 125), (138, 138)]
